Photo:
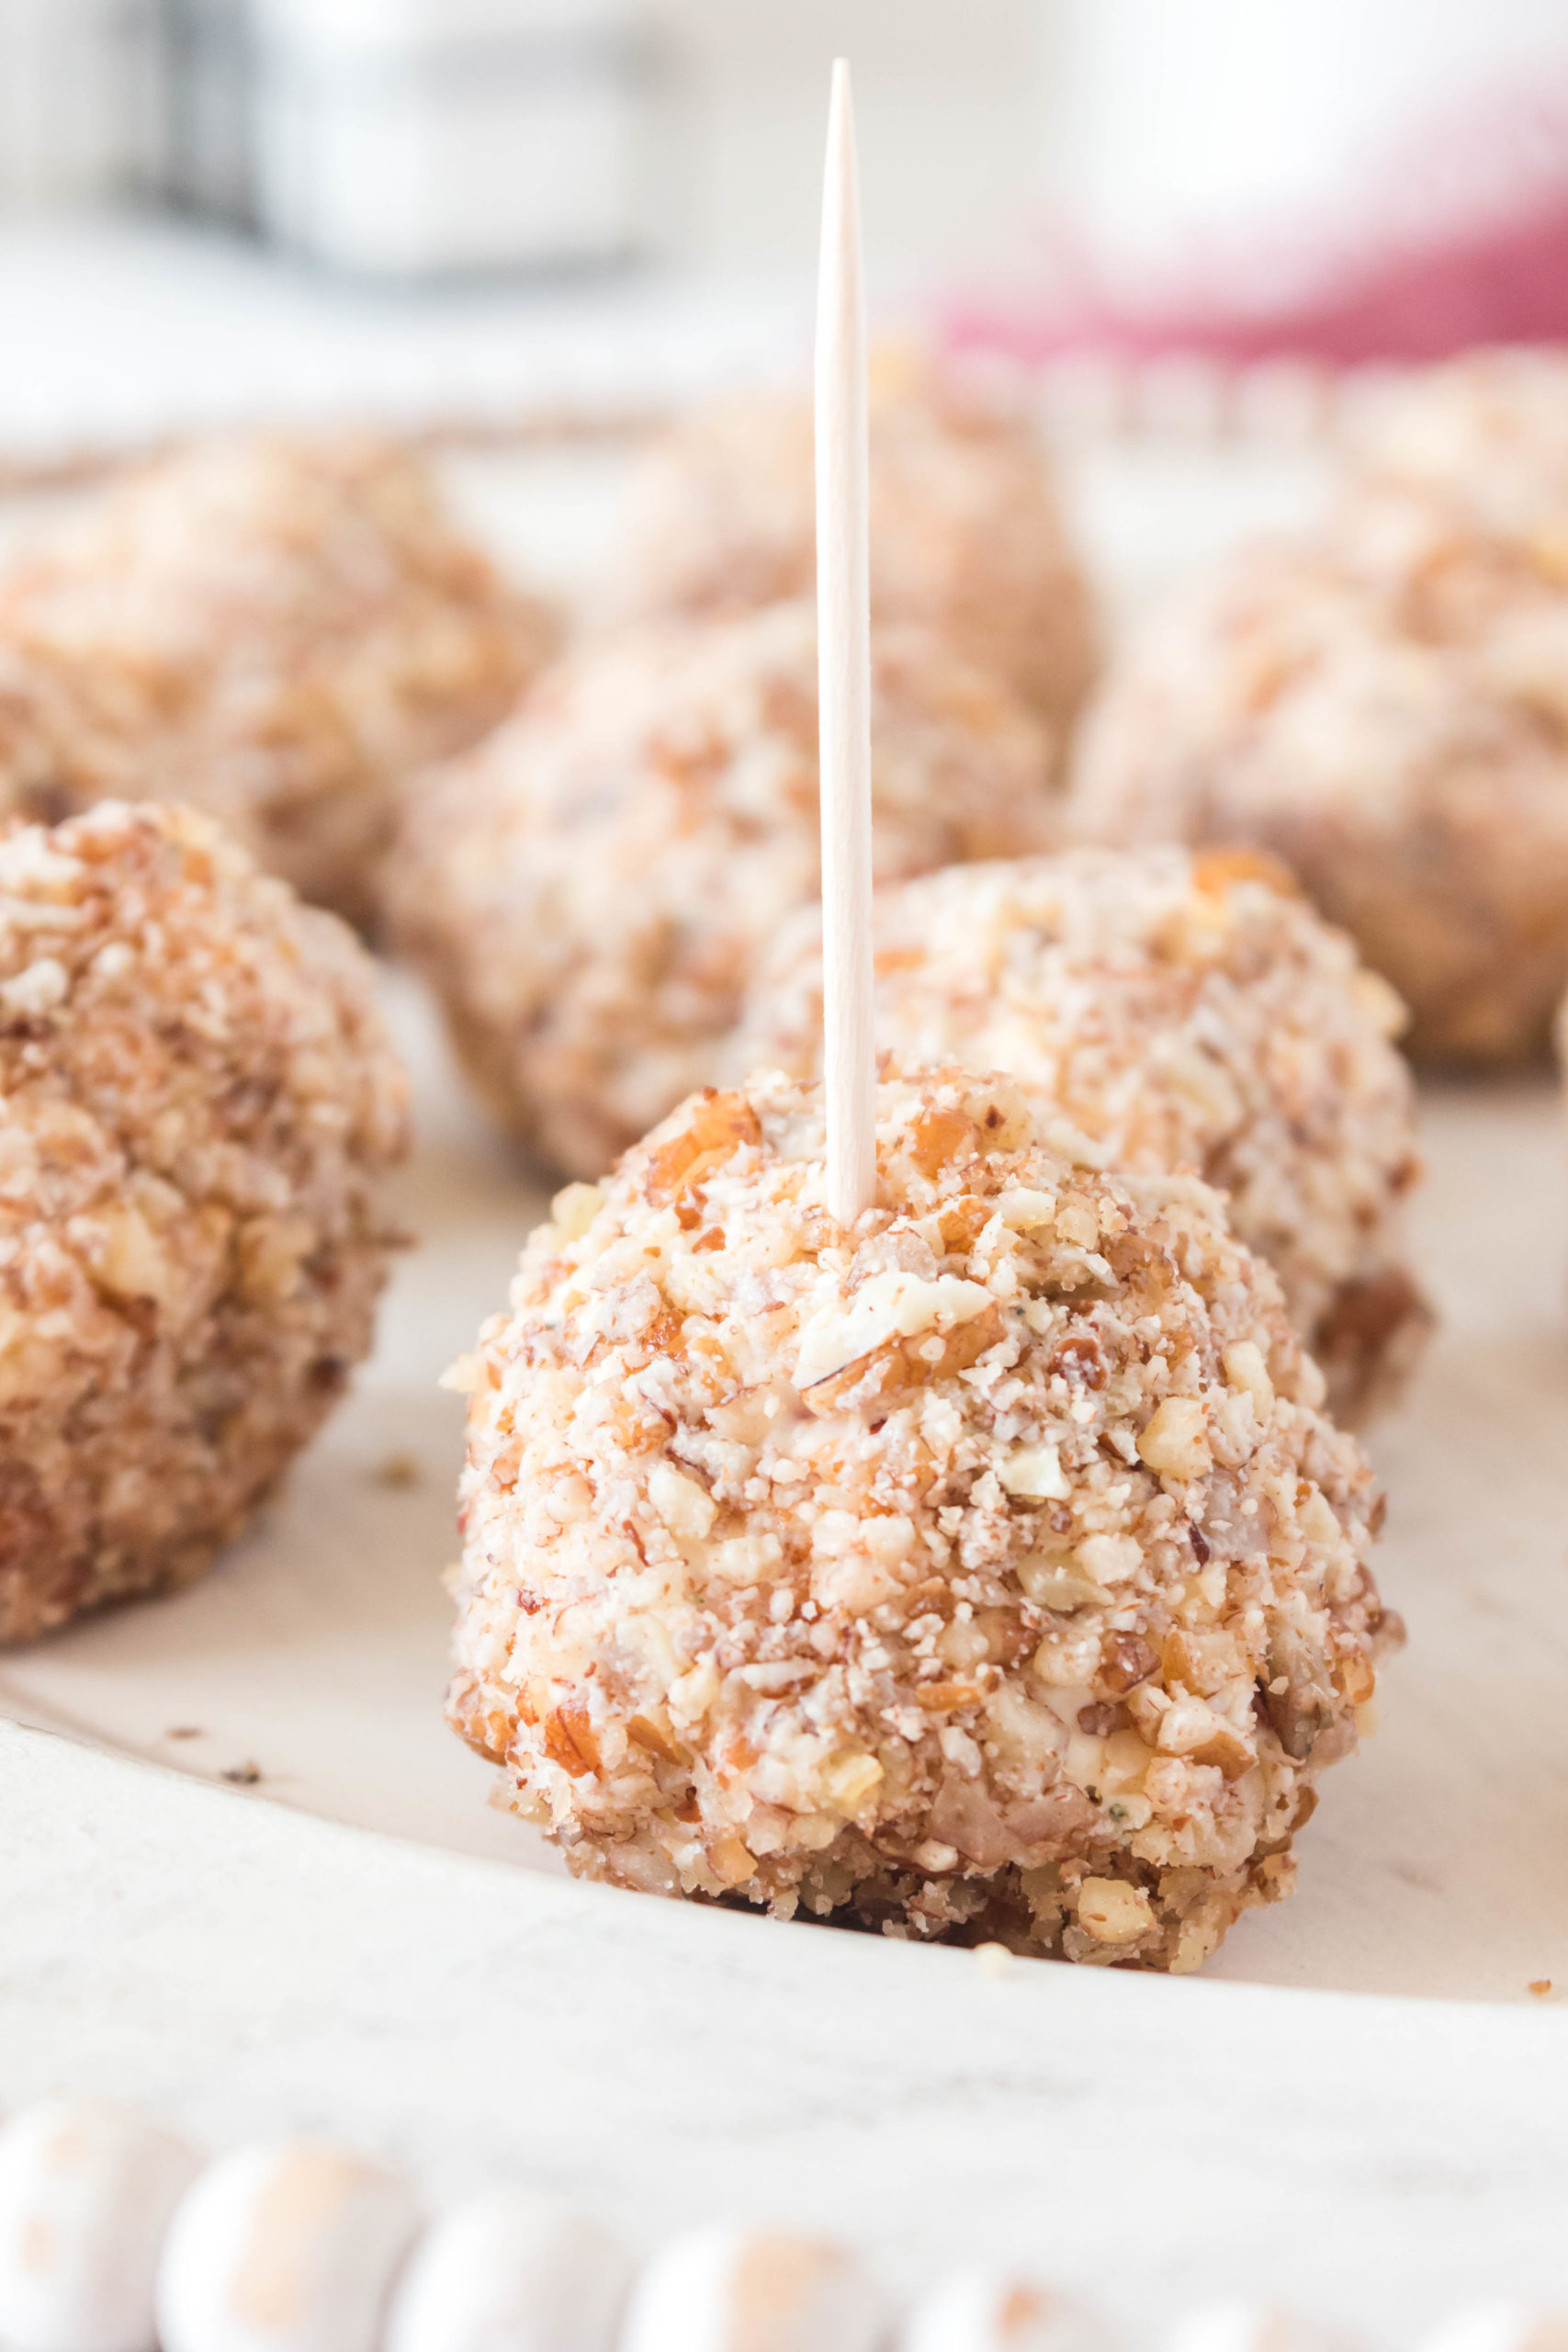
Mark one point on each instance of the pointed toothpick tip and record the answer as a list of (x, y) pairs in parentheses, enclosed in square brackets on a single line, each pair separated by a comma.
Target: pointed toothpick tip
[(843, 621)]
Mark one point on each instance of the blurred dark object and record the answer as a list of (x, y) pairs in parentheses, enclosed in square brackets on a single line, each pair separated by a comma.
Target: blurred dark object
[(448, 135), (411, 138), (80, 102), (206, 57)]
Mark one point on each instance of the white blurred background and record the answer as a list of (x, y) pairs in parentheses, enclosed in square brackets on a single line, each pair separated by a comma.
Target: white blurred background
[(689, 129), (286, 203)]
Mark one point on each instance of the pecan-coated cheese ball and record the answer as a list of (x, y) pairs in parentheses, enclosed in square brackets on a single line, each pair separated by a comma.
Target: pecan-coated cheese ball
[(273, 629), (1486, 435), (1188, 1011), (1383, 703), (986, 1568), (197, 1103), (966, 535), (590, 890)]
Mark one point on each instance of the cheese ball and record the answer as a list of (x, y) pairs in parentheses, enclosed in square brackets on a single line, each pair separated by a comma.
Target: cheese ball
[(1486, 435), (1187, 1011), (987, 1570), (966, 533), (276, 630), (1383, 704), (196, 1102), (590, 890)]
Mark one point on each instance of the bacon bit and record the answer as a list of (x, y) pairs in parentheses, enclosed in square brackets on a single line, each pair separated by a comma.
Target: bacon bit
[(899, 1364), (732, 1861), (712, 1239), (1218, 870), (570, 1740), (721, 1123), (1079, 1360), (1125, 1660), (1354, 1677), (960, 1223), (938, 1136), (937, 1697), (487, 1730), (1226, 1749), (665, 1335), (659, 1742)]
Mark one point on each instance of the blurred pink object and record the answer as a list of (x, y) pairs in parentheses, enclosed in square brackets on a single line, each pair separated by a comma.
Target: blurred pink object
[(1463, 241)]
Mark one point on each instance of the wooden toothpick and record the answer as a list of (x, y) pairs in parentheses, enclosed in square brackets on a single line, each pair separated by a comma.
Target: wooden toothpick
[(843, 657)]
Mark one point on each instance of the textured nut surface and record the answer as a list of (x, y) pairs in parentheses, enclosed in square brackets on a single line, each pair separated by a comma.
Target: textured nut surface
[(275, 630), (592, 890), (1184, 1012), (1382, 702), (966, 534), (874, 1679), (192, 1139)]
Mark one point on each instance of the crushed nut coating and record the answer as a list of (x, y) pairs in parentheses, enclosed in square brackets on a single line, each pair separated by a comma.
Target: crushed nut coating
[(988, 1570), (1383, 703), (1188, 1011), (966, 537), (590, 890), (197, 1100), (273, 629)]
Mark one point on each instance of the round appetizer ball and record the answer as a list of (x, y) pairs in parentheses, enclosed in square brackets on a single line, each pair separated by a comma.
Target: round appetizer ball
[(1487, 435), (275, 630), (985, 1569), (966, 533), (196, 1102), (1187, 1011), (590, 890), (1384, 705)]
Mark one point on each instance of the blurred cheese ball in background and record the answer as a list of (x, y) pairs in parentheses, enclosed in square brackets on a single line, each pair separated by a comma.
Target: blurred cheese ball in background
[(1486, 435), (197, 1104), (1186, 1011), (988, 1568), (966, 533), (1383, 704), (273, 629), (590, 890)]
